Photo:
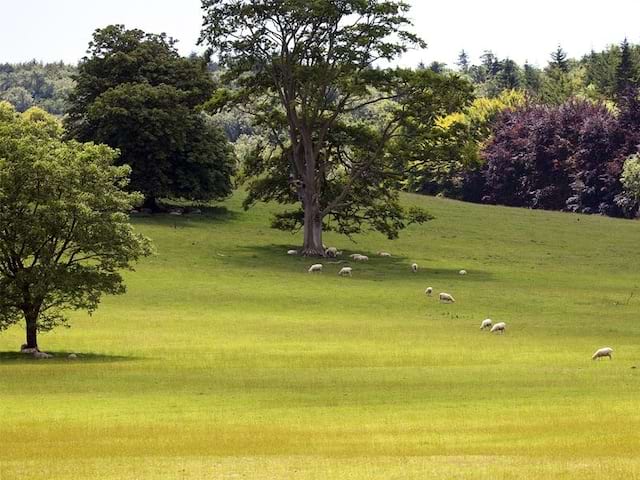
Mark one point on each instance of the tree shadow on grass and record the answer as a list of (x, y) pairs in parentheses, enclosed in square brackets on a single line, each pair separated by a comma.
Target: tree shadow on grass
[(63, 357), (274, 257), (216, 214)]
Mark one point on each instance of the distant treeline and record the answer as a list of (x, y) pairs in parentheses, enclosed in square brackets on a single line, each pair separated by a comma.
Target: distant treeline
[(554, 137), (598, 75), (37, 84)]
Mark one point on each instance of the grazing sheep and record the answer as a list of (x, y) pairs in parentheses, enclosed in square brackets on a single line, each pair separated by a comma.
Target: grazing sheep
[(354, 255), (602, 352), (414, 267), (42, 355), (428, 291), (462, 272), (292, 252), (331, 252), (348, 271), (447, 298), (499, 327), (315, 268), (361, 258), (486, 324), (384, 254)]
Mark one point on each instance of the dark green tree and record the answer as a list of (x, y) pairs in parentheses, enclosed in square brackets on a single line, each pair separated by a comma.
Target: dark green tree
[(510, 75), (627, 71), (463, 62), (491, 63), (531, 79), (136, 93), (306, 72), (437, 67), (559, 60)]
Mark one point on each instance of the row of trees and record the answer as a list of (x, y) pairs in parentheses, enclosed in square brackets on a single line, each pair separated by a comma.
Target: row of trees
[(601, 75), (47, 86), (568, 157)]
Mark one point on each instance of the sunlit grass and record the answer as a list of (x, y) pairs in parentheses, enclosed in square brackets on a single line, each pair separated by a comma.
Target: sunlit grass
[(227, 360)]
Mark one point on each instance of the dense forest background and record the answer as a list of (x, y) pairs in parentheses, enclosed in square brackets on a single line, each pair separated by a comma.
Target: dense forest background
[(553, 137)]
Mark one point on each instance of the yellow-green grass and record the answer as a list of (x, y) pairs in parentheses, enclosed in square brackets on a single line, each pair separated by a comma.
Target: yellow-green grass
[(226, 359)]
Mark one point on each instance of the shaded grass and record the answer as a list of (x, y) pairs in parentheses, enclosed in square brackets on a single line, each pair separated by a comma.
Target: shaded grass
[(226, 359)]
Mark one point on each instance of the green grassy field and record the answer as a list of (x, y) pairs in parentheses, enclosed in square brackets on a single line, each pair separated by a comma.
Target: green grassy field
[(226, 360)]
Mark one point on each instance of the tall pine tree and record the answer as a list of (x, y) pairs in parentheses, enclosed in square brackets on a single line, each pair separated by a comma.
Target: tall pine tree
[(626, 73)]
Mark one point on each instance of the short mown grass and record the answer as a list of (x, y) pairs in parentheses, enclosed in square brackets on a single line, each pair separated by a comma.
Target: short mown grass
[(226, 359)]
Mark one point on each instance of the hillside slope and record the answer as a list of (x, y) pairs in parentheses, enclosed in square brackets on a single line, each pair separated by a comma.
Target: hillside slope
[(225, 359)]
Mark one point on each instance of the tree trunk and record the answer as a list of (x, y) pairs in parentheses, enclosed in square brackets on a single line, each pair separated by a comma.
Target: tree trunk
[(312, 246), (152, 204), (31, 319)]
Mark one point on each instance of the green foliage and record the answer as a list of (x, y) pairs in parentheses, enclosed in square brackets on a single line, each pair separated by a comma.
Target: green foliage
[(64, 227), (305, 72), (631, 177), (627, 72), (35, 84), (135, 93), (450, 150)]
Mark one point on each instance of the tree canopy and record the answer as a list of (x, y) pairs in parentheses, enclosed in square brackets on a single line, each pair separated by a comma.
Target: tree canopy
[(307, 73), (136, 93), (64, 225)]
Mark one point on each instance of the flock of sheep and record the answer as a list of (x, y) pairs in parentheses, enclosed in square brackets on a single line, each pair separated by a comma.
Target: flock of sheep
[(444, 297)]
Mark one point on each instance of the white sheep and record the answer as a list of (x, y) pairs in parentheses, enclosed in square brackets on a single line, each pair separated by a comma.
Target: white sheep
[(414, 267), (428, 291), (602, 352), (361, 258), (462, 272), (354, 255), (499, 327), (384, 254), (315, 268), (292, 252), (346, 271), (331, 252), (486, 324), (447, 298)]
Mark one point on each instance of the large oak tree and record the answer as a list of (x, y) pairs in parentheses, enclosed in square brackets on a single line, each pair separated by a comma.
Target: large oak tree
[(136, 93), (307, 72)]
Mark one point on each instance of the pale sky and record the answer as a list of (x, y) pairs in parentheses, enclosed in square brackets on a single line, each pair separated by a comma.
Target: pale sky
[(52, 30)]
